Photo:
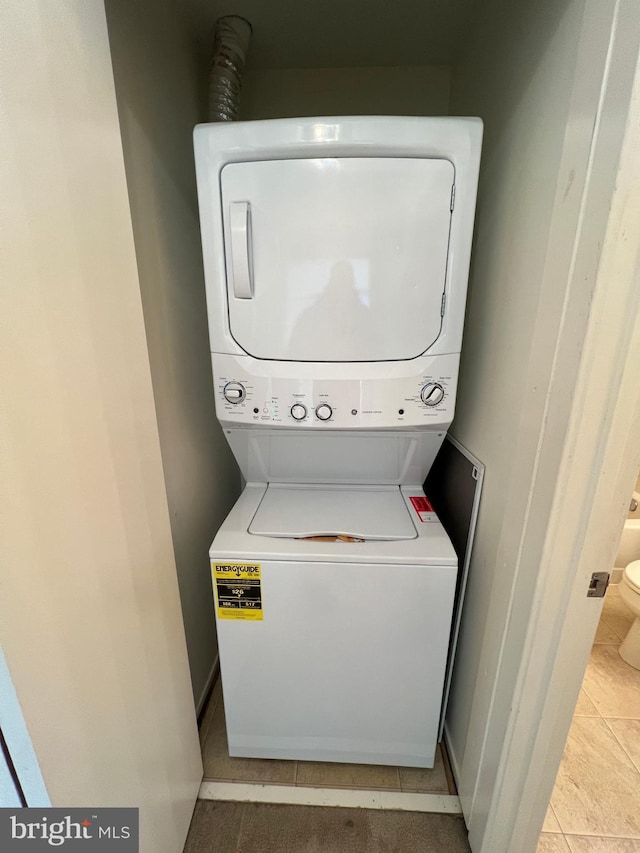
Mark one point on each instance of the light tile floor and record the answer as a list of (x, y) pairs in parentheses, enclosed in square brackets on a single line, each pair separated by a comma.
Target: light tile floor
[(223, 827), (595, 805), (219, 766)]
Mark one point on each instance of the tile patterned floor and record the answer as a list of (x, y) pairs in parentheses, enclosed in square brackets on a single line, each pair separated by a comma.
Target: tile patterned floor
[(595, 805), (222, 827), (218, 766)]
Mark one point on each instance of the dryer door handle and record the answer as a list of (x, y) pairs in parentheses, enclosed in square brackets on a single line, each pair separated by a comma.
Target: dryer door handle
[(241, 261)]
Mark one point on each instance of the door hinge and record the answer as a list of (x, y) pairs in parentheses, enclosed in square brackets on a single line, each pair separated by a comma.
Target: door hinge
[(443, 303), (453, 198), (598, 585)]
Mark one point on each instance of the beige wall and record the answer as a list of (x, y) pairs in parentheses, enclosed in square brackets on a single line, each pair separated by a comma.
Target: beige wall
[(534, 73), (90, 619), (524, 103), (158, 89), (400, 90)]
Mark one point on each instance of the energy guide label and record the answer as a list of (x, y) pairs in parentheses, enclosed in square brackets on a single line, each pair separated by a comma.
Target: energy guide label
[(238, 590)]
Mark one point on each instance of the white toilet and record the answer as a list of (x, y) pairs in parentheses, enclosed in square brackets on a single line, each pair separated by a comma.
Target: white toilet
[(630, 594)]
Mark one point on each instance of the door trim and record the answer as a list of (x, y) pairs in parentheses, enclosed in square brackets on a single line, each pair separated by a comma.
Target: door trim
[(601, 453)]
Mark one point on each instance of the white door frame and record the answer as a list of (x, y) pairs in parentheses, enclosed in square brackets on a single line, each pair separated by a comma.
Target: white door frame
[(600, 457), (28, 782), (90, 619)]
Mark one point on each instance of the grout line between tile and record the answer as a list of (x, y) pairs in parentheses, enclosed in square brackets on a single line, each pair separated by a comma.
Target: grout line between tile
[(621, 717), (599, 835), (622, 746), (336, 787), (586, 693), (241, 827), (611, 628)]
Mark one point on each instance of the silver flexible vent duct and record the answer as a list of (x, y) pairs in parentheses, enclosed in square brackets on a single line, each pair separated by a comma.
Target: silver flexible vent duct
[(230, 45)]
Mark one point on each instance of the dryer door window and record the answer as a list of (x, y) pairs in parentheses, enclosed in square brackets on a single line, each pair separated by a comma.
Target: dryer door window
[(339, 259)]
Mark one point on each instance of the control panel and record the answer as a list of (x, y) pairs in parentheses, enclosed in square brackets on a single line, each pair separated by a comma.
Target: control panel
[(416, 393)]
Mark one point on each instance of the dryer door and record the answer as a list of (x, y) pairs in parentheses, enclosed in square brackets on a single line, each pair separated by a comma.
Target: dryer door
[(339, 259)]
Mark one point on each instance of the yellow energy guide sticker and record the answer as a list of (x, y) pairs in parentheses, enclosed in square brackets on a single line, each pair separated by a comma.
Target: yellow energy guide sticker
[(238, 590)]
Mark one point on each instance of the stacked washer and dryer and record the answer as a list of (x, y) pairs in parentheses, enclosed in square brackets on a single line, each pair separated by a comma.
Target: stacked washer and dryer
[(336, 255)]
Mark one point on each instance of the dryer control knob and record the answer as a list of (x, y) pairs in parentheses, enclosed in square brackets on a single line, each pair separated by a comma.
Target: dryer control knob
[(324, 411), (298, 412), (432, 394), (234, 392)]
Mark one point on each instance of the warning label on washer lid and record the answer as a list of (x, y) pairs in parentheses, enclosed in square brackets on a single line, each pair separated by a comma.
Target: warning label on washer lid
[(423, 508), (238, 590)]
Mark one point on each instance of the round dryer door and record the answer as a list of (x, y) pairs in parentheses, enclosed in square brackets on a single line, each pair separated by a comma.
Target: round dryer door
[(337, 259)]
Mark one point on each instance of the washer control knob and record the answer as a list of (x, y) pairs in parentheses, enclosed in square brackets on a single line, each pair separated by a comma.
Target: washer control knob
[(298, 412), (432, 394), (234, 392), (324, 411)]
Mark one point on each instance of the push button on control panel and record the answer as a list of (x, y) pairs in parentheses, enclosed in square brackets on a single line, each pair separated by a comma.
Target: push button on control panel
[(324, 411), (432, 394), (234, 392), (298, 412)]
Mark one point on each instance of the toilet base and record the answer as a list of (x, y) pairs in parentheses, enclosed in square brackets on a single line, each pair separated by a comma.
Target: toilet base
[(629, 651)]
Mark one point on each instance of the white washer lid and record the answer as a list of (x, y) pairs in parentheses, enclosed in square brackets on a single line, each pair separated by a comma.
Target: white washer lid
[(632, 574), (363, 512)]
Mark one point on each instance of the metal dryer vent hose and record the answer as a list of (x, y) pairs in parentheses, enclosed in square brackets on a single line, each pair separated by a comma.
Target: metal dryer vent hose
[(230, 45)]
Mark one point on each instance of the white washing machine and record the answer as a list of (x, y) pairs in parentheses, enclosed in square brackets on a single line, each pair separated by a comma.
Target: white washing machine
[(336, 256), (343, 653)]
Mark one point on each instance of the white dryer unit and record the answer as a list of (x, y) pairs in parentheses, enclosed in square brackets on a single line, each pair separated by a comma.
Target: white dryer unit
[(336, 255)]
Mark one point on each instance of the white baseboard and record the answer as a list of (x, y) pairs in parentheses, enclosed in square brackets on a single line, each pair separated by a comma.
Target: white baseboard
[(291, 795), (207, 687), (453, 759)]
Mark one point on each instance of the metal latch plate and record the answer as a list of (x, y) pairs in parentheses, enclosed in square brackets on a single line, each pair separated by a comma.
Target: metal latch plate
[(598, 585)]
